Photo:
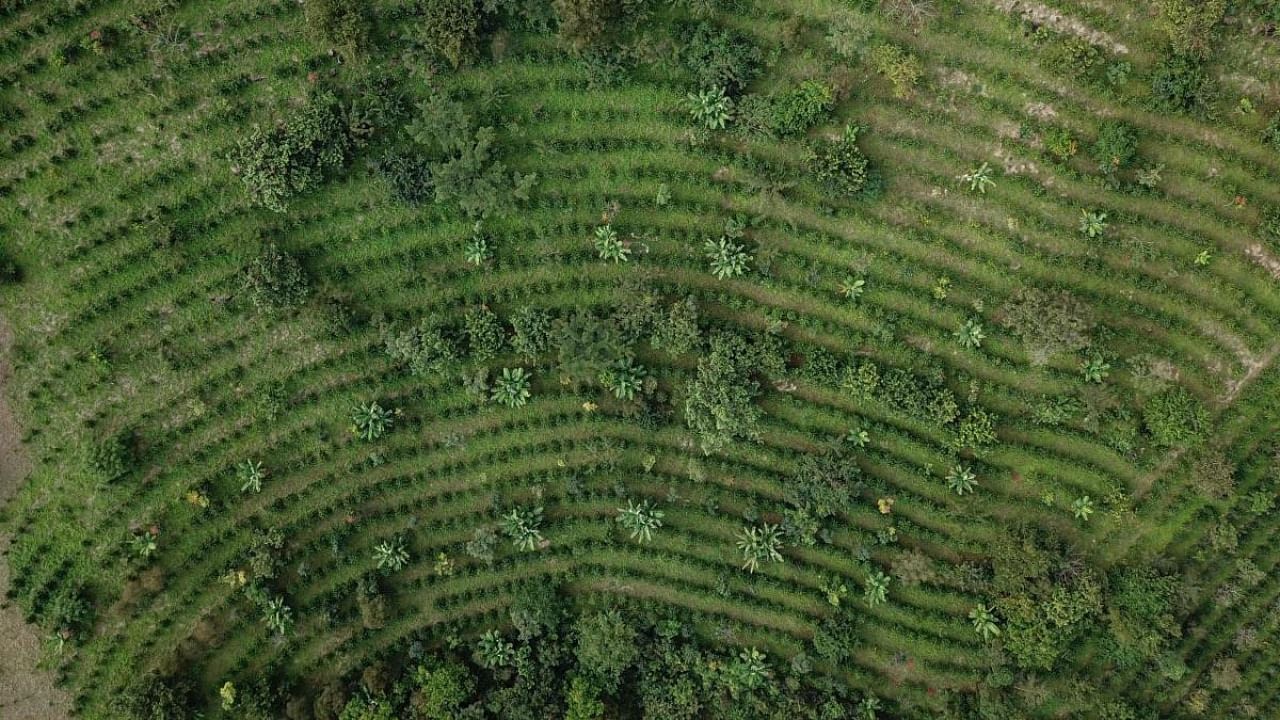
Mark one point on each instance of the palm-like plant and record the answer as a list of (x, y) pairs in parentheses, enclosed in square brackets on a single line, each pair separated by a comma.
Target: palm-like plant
[(760, 544), (624, 379), (524, 527), (640, 520), (749, 672), (979, 179), (610, 246), (728, 258), (278, 616), (1095, 368), (478, 251), (1093, 224), (877, 589), (1082, 508), (852, 288), (834, 589), (711, 108), (868, 707), (511, 388), (251, 475), (145, 543), (494, 651), (391, 554), (857, 437), (961, 480), (984, 622), (372, 421), (970, 335)]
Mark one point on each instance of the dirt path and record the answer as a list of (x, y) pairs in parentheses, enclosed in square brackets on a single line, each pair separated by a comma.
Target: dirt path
[(26, 692)]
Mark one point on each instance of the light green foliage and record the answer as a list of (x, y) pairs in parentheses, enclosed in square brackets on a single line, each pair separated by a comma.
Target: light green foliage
[(511, 388), (961, 479), (494, 651), (876, 591), (759, 544), (371, 421), (728, 258), (710, 108), (1093, 224), (984, 622), (391, 554), (523, 525), (979, 179), (1082, 508), (902, 68), (970, 335), (251, 474), (625, 379), (609, 246), (640, 520)]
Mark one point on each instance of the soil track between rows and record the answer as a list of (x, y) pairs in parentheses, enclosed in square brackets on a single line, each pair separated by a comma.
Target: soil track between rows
[(26, 691)]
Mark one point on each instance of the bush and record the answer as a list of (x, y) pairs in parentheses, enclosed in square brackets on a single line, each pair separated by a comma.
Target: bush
[(153, 697), (1073, 56), (449, 28), (274, 281), (1059, 143), (976, 431), (340, 22), (424, 349), (465, 171), (485, 334), (1213, 474), (1271, 136), (839, 164), (1190, 22), (790, 113), (901, 68), (1048, 322), (1181, 84), (1175, 419), (1116, 146), (408, 177), (678, 333), (295, 156), (10, 271), (719, 402), (581, 23), (531, 331), (720, 58), (108, 460)]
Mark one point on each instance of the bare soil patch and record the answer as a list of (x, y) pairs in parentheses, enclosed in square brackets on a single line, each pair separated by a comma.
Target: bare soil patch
[(1061, 22), (26, 691)]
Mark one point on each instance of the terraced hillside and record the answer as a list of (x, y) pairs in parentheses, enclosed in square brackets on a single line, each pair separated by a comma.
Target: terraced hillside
[(712, 358)]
